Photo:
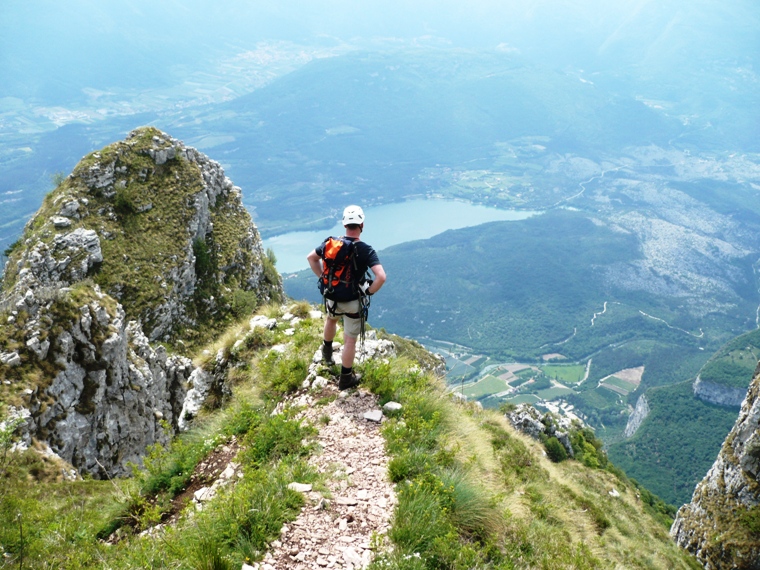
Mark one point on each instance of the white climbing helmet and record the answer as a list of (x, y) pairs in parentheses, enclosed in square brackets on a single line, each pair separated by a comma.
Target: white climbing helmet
[(353, 215)]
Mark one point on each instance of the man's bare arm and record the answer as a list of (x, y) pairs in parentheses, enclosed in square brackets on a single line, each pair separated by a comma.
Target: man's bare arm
[(315, 262), (379, 280)]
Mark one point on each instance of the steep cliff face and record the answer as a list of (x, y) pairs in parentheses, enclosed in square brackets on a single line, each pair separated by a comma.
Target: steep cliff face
[(98, 392), (638, 416), (718, 394), (721, 525), (146, 239)]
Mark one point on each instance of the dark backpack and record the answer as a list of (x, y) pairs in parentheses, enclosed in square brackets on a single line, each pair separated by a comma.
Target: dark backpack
[(340, 277)]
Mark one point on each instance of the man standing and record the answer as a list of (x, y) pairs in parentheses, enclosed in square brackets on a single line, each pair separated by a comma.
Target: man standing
[(365, 257)]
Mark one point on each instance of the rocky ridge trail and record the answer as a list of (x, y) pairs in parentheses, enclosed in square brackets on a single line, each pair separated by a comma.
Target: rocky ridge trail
[(346, 515), (335, 529)]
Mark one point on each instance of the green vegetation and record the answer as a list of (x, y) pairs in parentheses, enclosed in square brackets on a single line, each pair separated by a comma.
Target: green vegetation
[(485, 386), (734, 365), (670, 457), (588, 449), (625, 387), (203, 260), (750, 520), (523, 399), (8, 429), (570, 373), (444, 519), (471, 492), (39, 525), (555, 450), (553, 393), (533, 381)]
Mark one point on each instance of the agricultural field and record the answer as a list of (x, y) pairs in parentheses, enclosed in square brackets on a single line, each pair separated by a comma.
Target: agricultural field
[(458, 370), (486, 386), (554, 392), (517, 382), (568, 373), (524, 399), (624, 381)]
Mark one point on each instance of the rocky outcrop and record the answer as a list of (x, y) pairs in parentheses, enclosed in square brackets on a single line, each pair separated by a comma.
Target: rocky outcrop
[(158, 226), (638, 416), (720, 524), (102, 393), (719, 395), (530, 421), (140, 242)]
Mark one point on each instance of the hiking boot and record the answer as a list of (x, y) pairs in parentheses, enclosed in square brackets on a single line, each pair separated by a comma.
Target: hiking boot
[(348, 381), (327, 354)]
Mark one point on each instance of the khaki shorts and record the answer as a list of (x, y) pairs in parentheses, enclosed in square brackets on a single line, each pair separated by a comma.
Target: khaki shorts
[(351, 327)]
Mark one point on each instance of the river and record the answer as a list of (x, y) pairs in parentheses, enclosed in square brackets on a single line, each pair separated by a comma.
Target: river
[(392, 224)]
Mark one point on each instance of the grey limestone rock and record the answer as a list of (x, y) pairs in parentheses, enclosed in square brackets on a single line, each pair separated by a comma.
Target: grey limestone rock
[(374, 348), (710, 525), (374, 416), (111, 396), (527, 419), (719, 395), (100, 175), (59, 222), (69, 209), (300, 487), (638, 416), (10, 358), (38, 347), (113, 393), (200, 383), (69, 258), (530, 421), (262, 321)]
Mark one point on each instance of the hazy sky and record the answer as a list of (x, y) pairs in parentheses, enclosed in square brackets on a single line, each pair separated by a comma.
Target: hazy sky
[(51, 50), (39, 30)]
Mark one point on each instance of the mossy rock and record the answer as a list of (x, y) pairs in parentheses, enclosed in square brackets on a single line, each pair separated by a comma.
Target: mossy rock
[(177, 244)]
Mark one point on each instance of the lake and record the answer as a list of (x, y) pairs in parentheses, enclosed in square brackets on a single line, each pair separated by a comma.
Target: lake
[(392, 224)]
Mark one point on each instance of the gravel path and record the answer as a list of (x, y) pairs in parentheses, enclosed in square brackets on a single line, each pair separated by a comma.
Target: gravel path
[(335, 531)]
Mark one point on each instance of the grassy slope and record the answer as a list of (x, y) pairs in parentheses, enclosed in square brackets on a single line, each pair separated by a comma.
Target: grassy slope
[(734, 364), (473, 492)]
